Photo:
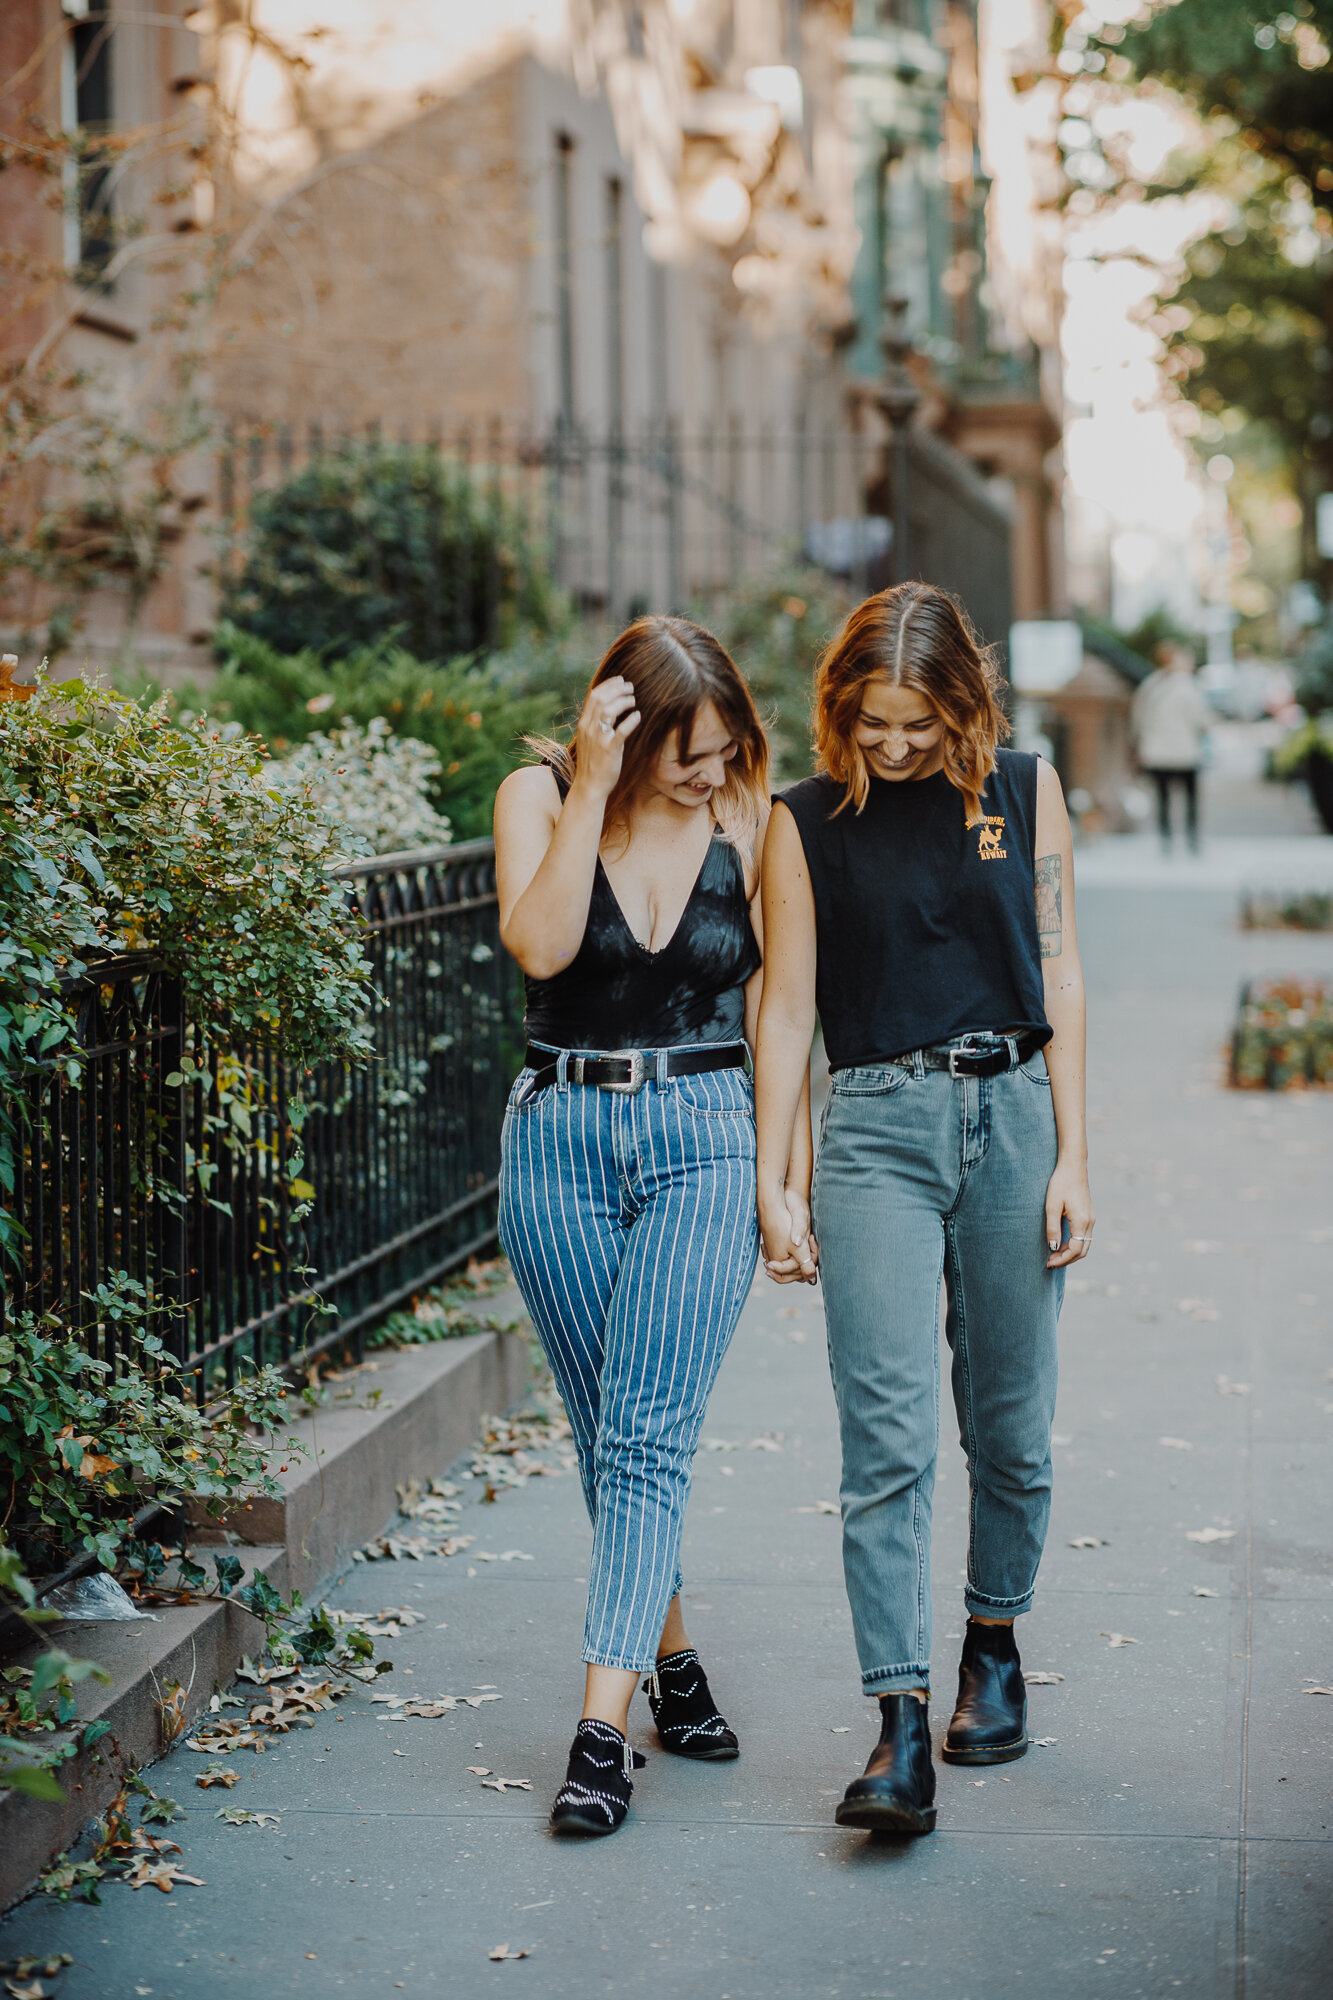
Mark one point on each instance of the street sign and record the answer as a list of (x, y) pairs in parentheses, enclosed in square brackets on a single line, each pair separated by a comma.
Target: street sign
[(1044, 654)]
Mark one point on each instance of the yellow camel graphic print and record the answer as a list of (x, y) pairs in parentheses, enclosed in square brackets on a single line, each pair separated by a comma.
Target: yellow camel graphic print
[(990, 833)]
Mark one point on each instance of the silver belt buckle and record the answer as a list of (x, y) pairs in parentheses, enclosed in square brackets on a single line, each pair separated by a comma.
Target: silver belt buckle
[(967, 1049), (638, 1070)]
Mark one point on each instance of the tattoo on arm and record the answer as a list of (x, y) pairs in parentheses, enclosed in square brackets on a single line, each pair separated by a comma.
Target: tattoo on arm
[(1050, 921)]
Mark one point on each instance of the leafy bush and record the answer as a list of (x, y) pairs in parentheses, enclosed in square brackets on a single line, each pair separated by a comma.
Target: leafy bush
[(370, 783), (176, 841), (386, 537), (35, 1701), (84, 1445), (472, 717)]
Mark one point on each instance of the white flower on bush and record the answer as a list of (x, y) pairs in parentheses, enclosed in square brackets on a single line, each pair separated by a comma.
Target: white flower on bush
[(369, 782)]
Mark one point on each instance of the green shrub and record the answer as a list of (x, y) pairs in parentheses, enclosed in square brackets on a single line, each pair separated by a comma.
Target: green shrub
[(473, 717), (386, 537), (169, 840), (84, 1445)]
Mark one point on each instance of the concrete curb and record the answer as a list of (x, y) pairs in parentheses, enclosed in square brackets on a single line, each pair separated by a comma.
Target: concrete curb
[(199, 1645), (427, 1408), (429, 1402)]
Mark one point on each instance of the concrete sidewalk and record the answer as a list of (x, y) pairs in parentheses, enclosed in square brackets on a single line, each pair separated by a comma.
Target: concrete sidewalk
[(1174, 1836)]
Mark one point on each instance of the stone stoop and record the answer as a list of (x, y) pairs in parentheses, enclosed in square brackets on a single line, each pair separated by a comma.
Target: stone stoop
[(199, 1645), (429, 1402)]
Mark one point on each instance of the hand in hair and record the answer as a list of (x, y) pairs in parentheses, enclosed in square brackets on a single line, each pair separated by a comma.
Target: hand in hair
[(608, 718)]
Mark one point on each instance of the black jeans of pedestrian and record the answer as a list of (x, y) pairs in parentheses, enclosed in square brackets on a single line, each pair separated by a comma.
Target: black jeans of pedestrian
[(1188, 780)]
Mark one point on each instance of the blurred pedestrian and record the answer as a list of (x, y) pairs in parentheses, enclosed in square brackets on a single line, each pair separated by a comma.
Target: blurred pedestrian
[(1169, 720), (628, 874), (918, 895)]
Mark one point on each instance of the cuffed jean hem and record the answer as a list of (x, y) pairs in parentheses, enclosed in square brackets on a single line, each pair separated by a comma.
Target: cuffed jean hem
[(895, 1680), (978, 1606), (622, 1666)]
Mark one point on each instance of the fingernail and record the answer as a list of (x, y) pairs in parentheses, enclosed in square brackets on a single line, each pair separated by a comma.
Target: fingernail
[(1053, 1242)]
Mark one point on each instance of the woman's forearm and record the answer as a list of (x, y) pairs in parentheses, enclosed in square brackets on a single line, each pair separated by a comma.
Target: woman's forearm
[(782, 1100), (1066, 1011)]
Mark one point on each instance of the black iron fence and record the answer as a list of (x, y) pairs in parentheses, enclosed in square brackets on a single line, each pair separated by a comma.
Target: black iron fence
[(272, 1215), (656, 518)]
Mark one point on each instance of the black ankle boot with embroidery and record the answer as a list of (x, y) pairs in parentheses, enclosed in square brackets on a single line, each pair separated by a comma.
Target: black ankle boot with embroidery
[(684, 1710), (595, 1796)]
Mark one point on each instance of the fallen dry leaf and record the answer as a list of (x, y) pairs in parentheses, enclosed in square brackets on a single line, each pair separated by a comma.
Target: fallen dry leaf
[(1042, 1680), (503, 1785), (820, 1507), (163, 1875), (217, 1774), (1045, 1742), (1202, 1590), (1089, 1542), (1209, 1534), (226, 1736), (171, 1713), (1177, 1444), (1119, 1639), (1317, 1690), (238, 1816), (1226, 1387), (1198, 1308), (502, 1951), (480, 1770)]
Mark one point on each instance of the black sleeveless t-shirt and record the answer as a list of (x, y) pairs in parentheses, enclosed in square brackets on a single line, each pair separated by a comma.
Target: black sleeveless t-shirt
[(616, 994), (926, 928)]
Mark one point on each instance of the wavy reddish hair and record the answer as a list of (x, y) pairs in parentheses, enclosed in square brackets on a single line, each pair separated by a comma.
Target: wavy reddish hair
[(919, 636)]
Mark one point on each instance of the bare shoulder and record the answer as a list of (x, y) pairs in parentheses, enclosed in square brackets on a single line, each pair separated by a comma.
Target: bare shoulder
[(1052, 816), (529, 793), (1049, 788)]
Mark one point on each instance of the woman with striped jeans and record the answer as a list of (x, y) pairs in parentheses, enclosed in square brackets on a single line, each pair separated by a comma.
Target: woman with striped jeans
[(628, 866)]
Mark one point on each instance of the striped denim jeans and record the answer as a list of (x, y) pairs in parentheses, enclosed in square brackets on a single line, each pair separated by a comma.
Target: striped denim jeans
[(629, 1220)]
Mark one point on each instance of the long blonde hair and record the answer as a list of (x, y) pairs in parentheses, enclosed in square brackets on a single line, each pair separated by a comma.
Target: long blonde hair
[(675, 666), (919, 636)]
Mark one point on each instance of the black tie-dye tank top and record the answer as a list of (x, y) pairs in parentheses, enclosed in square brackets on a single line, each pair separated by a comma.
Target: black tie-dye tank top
[(616, 994)]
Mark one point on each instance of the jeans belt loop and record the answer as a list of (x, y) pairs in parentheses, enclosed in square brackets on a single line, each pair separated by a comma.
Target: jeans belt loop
[(562, 1063), (1011, 1042), (918, 1065), (662, 1073)]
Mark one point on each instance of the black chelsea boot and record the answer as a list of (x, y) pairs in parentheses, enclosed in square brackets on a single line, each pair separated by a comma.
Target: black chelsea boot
[(896, 1791), (989, 1724)]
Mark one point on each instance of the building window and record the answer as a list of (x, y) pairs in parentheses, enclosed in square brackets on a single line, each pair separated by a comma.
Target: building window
[(615, 303), (564, 276), (88, 112)]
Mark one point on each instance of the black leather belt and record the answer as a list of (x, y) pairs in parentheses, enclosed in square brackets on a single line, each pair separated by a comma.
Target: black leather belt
[(976, 1055), (629, 1069)]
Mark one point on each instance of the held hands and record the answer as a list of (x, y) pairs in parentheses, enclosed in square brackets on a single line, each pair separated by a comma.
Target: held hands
[(609, 716), (1068, 1200), (791, 1255)]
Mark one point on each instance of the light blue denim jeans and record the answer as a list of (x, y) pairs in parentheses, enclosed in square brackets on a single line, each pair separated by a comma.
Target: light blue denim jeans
[(923, 1178), (629, 1221)]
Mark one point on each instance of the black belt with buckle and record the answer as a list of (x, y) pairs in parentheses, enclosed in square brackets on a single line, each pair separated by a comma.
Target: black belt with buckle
[(976, 1055), (629, 1069)]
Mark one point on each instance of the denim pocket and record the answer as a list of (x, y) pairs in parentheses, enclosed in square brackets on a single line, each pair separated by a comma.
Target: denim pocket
[(522, 1097), (723, 1093), (868, 1080), (1035, 1070)]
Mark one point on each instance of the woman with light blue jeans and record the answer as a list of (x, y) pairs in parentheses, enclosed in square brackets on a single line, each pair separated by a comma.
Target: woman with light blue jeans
[(628, 877), (918, 891)]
